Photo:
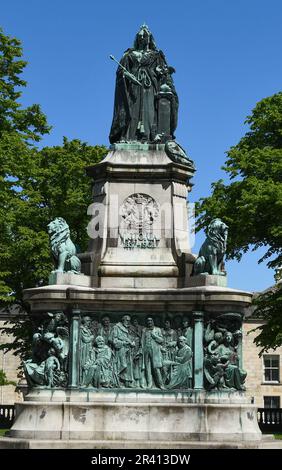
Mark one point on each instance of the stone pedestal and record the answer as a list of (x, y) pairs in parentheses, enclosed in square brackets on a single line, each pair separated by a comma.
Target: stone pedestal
[(206, 280), (167, 418), (141, 198), (136, 416), (69, 279)]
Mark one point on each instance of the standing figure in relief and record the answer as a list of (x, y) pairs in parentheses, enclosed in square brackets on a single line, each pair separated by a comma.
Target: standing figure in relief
[(187, 331), (168, 348), (151, 342), (52, 365), (86, 345), (136, 335), (95, 327), (123, 346), (170, 340)]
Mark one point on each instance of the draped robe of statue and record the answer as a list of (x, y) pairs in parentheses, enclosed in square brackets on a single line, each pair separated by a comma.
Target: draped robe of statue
[(234, 375), (136, 110), (181, 376), (123, 353), (99, 367)]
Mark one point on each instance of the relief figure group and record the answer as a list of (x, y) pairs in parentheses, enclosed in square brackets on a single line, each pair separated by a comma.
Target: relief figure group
[(136, 352), (128, 355)]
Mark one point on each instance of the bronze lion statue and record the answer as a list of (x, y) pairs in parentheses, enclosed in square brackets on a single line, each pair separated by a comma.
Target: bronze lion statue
[(211, 254), (63, 249)]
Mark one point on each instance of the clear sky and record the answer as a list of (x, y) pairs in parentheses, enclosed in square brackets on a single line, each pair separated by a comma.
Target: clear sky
[(227, 56)]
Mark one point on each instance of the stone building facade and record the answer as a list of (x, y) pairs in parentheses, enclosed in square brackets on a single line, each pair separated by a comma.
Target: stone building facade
[(8, 363), (263, 383)]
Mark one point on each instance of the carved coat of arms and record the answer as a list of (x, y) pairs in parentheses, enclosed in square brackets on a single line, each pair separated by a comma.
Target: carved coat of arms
[(138, 213)]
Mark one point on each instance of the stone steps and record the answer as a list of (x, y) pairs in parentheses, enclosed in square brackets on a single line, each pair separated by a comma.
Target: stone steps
[(12, 443)]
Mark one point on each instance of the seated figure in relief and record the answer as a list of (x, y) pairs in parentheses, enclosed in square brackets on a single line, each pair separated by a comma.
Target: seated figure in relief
[(221, 364), (98, 369), (181, 376)]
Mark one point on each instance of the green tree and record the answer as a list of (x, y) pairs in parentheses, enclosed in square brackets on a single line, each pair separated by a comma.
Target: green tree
[(269, 307), (251, 202), (4, 380), (54, 184), (35, 186), (20, 128), (30, 123)]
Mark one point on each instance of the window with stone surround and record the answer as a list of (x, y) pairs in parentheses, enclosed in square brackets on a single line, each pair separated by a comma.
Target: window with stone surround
[(271, 402), (271, 368)]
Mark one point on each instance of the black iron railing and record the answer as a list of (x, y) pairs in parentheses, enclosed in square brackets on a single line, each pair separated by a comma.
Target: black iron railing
[(7, 416), (270, 419)]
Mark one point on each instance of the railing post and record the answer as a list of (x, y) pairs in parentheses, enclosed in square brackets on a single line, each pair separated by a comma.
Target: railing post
[(269, 419)]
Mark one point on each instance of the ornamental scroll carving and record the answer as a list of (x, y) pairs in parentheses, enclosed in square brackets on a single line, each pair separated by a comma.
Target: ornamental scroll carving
[(139, 212)]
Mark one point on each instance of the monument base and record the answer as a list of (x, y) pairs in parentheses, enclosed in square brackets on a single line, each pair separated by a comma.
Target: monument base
[(79, 417), (206, 280), (69, 279), (164, 417), (268, 442)]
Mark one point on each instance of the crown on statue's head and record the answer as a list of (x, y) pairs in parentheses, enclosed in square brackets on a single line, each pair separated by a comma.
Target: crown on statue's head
[(144, 27)]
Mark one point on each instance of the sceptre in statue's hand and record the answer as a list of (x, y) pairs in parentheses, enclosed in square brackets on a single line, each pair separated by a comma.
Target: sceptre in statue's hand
[(126, 73), (146, 103)]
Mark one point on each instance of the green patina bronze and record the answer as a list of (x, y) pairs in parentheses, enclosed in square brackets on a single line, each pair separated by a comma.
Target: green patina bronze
[(85, 346), (177, 154), (74, 362), (223, 353), (123, 346), (181, 375), (63, 249), (146, 103), (48, 365), (137, 352), (198, 318), (99, 370), (211, 254)]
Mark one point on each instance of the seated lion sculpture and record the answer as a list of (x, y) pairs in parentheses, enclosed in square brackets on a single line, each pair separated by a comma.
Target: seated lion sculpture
[(210, 259), (63, 249)]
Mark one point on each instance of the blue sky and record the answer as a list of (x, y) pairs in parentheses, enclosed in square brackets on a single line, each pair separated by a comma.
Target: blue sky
[(227, 56)]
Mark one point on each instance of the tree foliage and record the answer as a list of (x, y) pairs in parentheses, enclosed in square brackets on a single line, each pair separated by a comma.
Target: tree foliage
[(269, 307), (35, 187), (28, 124), (19, 129), (251, 202), (53, 184), (4, 380), (20, 329)]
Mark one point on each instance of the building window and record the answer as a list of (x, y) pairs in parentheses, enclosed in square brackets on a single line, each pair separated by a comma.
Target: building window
[(270, 368), (271, 402)]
